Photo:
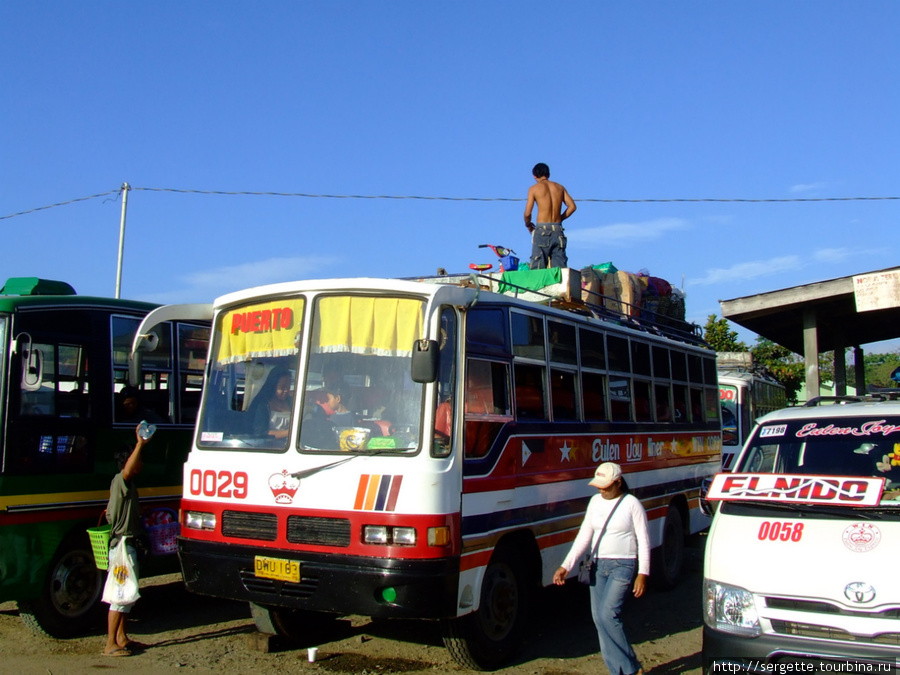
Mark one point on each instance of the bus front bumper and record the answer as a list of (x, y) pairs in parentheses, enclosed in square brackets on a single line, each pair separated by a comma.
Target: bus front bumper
[(376, 587)]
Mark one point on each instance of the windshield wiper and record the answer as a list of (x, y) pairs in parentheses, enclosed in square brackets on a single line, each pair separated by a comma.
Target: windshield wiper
[(306, 473)]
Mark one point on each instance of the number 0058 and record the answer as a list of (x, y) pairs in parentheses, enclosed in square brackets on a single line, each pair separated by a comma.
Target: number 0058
[(775, 531)]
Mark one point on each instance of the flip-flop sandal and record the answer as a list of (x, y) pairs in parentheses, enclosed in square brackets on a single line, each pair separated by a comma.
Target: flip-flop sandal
[(121, 651)]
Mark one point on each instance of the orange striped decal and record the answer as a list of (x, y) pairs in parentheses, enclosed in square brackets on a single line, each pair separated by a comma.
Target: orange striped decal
[(374, 482), (361, 492)]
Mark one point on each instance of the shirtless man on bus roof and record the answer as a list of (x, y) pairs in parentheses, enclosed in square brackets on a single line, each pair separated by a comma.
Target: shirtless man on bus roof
[(548, 242)]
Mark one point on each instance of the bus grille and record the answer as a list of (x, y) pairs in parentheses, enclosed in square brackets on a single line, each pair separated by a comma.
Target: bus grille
[(318, 531), (242, 525), (305, 589)]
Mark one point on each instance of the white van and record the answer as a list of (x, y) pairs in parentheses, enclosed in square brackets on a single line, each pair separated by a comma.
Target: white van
[(802, 560)]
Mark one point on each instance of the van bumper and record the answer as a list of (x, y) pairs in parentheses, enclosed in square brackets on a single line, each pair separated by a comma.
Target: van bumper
[(727, 653)]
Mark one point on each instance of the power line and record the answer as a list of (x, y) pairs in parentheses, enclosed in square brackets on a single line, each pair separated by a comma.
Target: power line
[(672, 200), (50, 206)]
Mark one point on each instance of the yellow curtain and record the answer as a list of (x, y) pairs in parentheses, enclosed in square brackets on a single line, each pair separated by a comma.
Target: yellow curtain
[(265, 329), (368, 325)]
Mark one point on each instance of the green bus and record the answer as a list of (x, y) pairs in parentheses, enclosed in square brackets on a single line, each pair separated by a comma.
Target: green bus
[(65, 363)]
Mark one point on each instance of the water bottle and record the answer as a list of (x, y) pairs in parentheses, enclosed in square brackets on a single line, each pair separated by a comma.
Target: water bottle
[(146, 430)]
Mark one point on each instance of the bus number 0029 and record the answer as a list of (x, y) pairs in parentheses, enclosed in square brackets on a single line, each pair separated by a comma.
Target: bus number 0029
[(219, 484), (783, 531)]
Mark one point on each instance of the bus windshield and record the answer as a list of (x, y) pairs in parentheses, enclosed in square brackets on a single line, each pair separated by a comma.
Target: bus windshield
[(353, 393)]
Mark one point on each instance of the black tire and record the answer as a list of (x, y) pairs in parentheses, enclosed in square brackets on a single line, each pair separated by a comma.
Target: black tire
[(669, 557), (69, 604), (490, 637)]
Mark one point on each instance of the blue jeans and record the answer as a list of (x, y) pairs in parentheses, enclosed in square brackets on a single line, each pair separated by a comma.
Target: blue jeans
[(614, 580), (548, 246)]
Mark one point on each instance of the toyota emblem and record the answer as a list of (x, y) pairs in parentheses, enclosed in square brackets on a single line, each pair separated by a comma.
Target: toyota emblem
[(859, 592)]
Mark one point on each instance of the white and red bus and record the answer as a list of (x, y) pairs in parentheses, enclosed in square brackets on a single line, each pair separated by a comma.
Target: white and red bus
[(745, 395), (458, 482)]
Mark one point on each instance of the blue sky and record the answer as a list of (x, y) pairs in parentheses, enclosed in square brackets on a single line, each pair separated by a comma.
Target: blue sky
[(624, 100)]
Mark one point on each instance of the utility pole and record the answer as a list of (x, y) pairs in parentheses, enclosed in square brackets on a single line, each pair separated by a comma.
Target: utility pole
[(125, 188)]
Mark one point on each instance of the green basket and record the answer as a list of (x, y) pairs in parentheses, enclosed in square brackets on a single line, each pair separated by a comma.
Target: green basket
[(100, 545)]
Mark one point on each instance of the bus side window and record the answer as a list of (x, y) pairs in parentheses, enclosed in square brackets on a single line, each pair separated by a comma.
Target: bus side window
[(530, 392), (562, 391), (593, 393), (679, 396), (487, 398)]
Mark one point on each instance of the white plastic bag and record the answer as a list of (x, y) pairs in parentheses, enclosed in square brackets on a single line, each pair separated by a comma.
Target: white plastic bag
[(121, 583)]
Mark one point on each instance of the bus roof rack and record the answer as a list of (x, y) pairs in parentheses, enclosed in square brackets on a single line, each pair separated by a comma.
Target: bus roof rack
[(644, 320), (35, 286)]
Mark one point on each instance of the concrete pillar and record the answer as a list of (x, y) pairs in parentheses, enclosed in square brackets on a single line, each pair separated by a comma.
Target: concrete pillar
[(840, 371), (859, 367), (811, 353)]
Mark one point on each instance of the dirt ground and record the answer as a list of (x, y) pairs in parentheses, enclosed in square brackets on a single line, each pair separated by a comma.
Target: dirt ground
[(190, 633)]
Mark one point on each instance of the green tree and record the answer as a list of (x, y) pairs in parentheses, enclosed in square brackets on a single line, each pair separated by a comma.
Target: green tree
[(720, 336), (878, 369), (782, 364)]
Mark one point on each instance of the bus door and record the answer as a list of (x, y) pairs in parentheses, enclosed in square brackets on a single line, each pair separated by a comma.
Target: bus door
[(50, 407)]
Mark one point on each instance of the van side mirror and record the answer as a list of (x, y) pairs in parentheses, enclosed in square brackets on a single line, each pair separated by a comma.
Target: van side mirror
[(425, 359)]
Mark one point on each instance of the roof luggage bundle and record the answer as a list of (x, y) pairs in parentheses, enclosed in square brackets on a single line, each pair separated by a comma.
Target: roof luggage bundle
[(631, 294)]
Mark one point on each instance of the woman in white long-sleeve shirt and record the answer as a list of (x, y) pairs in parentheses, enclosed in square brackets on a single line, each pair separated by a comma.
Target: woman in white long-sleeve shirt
[(619, 520)]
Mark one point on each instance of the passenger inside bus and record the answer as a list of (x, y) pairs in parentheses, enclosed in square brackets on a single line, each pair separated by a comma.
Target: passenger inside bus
[(131, 408), (270, 410)]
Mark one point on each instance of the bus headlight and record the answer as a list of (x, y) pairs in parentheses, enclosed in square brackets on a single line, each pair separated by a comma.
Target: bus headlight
[(384, 535), (730, 609), (197, 520), (404, 536)]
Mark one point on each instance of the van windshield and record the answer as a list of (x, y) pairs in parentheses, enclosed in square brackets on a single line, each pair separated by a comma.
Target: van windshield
[(847, 446)]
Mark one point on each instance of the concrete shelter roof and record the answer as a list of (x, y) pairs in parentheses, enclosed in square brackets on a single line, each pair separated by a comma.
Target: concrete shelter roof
[(779, 315)]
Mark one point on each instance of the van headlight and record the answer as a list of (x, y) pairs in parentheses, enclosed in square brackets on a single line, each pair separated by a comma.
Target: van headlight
[(730, 609)]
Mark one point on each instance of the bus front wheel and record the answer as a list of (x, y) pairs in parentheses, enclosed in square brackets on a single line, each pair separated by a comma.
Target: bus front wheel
[(489, 637), (69, 603)]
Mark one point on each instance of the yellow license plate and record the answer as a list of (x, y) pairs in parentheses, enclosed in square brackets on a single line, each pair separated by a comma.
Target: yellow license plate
[(277, 568)]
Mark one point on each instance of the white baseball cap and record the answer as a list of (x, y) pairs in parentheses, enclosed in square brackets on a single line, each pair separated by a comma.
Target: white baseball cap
[(606, 474)]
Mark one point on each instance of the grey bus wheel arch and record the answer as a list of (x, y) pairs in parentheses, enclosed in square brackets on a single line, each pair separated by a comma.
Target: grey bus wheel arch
[(69, 604), (668, 559)]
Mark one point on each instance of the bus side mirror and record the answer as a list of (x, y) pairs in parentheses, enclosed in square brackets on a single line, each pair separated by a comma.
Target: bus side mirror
[(425, 359), (32, 368), (144, 343)]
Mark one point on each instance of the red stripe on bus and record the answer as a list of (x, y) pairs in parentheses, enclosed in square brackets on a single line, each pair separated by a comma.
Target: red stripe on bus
[(392, 495), (473, 560)]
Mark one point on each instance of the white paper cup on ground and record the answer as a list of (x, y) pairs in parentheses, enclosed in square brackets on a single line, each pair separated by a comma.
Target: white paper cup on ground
[(311, 654)]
